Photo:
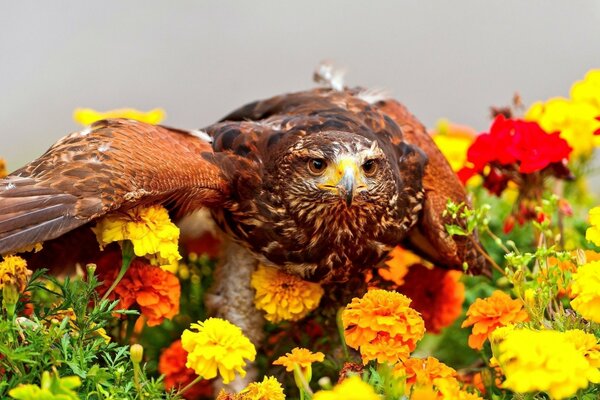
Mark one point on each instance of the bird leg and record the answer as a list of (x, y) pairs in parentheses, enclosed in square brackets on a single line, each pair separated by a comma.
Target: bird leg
[(232, 298)]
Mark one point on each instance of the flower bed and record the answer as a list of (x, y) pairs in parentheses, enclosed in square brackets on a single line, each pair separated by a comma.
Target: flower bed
[(135, 324)]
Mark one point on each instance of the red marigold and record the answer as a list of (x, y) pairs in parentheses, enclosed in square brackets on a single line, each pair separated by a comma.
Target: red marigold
[(154, 290), (436, 293), (515, 141), (488, 314), (177, 375)]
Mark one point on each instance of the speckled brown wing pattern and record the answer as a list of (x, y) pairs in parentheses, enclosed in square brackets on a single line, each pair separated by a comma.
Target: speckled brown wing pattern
[(111, 165), (441, 184), (429, 237)]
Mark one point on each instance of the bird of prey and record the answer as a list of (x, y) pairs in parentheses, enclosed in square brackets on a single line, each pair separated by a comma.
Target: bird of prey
[(321, 183)]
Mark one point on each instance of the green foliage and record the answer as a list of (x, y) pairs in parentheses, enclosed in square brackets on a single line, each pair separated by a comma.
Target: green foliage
[(62, 345)]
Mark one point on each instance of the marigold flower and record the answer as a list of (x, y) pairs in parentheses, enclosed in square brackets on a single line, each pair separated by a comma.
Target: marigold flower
[(154, 291), (454, 141), (382, 326), (436, 294), (397, 265), (172, 365), (352, 388), (13, 271), (575, 120), (303, 358), (592, 234), (217, 345), (585, 291), (268, 389), (299, 356), (575, 117), (587, 344), (284, 297), (149, 229), (488, 314), (543, 361), (588, 90), (426, 372), (87, 116)]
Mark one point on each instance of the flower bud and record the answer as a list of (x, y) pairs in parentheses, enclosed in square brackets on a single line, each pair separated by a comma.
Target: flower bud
[(137, 353), (10, 298)]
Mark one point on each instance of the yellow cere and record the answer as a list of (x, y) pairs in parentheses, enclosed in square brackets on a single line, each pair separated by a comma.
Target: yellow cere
[(334, 174)]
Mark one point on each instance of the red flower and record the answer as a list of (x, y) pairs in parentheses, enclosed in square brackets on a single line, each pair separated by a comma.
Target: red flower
[(177, 375), (514, 141), (436, 293)]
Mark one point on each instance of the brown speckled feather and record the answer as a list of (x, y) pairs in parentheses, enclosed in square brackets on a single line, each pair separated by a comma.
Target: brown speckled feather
[(441, 184), (428, 237), (112, 165), (255, 178)]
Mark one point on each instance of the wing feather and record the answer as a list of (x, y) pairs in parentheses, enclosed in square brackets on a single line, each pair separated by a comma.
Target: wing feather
[(114, 164)]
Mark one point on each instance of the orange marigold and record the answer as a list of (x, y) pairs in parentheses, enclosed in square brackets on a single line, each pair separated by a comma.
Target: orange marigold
[(156, 292), (172, 365), (436, 293), (3, 172), (397, 265), (382, 326), (485, 315), (299, 356), (425, 371)]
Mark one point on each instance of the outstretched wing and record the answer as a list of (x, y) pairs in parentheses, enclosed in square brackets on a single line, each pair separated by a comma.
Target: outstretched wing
[(429, 237), (111, 165)]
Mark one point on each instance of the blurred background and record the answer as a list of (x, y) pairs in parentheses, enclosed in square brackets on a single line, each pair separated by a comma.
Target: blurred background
[(199, 60)]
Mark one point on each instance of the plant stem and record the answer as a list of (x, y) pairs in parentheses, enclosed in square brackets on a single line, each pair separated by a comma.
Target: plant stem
[(127, 255), (189, 385), (136, 379), (340, 326)]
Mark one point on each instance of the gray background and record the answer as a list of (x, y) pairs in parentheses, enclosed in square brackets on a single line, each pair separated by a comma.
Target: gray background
[(199, 60)]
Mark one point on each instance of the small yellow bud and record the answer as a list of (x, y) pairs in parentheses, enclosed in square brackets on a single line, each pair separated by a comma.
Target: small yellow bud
[(10, 298), (137, 353)]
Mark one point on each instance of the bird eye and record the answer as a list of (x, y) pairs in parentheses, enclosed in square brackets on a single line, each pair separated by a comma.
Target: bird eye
[(317, 166), (369, 167)]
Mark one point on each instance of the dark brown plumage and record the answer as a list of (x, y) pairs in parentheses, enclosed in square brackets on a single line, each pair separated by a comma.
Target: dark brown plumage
[(320, 183)]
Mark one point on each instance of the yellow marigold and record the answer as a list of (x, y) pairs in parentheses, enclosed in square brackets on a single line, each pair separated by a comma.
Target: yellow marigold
[(397, 265), (488, 314), (542, 361), (588, 90), (585, 291), (587, 344), (576, 122), (13, 271), (299, 356), (592, 234), (87, 116), (149, 229), (352, 388), (284, 297), (454, 141), (217, 344), (268, 389), (382, 326)]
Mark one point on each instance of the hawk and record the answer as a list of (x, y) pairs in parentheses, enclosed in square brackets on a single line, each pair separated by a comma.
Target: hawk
[(321, 183)]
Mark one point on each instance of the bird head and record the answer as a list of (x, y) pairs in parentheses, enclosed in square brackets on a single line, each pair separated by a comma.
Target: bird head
[(337, 176)]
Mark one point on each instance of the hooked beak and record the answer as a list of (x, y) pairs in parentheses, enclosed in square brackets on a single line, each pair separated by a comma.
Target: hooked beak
[(344, 179), (346, 186)]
